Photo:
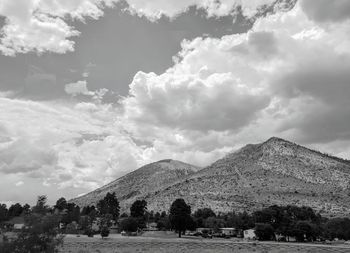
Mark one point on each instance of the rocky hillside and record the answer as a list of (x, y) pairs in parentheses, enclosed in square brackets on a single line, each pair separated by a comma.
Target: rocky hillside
[(273, 172), (135, 185), (260, 175)]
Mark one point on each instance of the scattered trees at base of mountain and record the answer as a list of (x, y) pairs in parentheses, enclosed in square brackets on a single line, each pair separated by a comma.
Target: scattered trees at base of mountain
[(301, 223), (180, 216)]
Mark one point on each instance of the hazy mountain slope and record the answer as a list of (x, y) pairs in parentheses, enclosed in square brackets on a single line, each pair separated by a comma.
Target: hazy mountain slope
[(273, 172), (136, 184)]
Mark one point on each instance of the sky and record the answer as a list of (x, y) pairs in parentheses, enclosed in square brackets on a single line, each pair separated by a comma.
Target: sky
[(93, 89)]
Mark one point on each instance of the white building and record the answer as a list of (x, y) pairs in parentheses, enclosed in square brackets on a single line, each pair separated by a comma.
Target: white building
[(229, 231), (249, 234)]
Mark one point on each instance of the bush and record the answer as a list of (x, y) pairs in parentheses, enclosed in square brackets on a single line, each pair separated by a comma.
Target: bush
[(104, 232), (89, 232)]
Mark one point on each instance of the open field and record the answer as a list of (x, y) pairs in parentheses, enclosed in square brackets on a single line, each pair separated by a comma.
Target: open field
[(118, 244)]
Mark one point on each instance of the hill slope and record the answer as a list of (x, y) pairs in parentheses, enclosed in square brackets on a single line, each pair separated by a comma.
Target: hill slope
[(135, 185), (258, 175)]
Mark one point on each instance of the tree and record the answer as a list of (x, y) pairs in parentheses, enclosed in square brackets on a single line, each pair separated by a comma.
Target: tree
[(109, 205), (61, 204), (204, 213), (304, 230), (138, 208), (163, 223), (264, 232), (39, 235), (88, 216), (129, 224), (156, 216), (41, 207), (180, 215), (26, 209), (104, 232), (105, 224), (124, 215), (338, 228), (15, 210), (3, 213), (72, 213), (214, 223)]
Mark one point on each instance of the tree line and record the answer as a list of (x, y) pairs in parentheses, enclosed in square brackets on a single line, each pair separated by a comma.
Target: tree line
[(301, 223)]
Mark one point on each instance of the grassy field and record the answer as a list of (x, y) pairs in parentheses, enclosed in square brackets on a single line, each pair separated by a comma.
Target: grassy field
[(164, 243)]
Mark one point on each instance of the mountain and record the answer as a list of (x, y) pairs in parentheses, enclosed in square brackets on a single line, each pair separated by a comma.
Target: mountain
[(258, 175), (134, 185)]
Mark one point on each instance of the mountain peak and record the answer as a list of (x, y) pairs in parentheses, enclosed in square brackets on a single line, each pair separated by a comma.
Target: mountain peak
[(275, 139)]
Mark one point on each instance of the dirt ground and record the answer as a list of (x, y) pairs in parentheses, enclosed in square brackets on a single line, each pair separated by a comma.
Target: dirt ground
[(168, 243)]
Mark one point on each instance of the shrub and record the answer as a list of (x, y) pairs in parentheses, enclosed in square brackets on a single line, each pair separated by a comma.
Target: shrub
[(104, 232)]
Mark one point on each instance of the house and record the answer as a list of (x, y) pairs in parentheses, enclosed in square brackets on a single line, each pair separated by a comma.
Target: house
[(204, 230), (114, 229), (151, 226), (16, 223), (282, 238), (229, 232), (249, 234)]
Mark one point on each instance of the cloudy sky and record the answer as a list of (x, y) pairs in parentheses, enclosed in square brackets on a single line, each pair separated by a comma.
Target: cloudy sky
[(93, 89)]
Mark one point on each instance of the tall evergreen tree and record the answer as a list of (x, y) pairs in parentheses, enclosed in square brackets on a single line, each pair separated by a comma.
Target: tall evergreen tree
[(180, 215)]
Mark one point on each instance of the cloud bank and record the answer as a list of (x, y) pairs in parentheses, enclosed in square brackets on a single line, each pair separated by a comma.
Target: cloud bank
[(287, 76)]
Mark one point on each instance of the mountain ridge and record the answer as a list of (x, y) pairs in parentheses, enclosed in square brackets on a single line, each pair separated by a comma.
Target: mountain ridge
[(275, 171), (131, 186)]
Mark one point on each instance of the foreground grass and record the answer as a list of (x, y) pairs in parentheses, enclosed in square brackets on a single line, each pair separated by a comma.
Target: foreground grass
[(168, 243)]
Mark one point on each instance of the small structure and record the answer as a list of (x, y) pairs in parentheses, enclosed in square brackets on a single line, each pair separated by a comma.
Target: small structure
[(151, 226), (249, 234), (204, 230), (282, 238), (16, 223), (229, 232), (114, 229)]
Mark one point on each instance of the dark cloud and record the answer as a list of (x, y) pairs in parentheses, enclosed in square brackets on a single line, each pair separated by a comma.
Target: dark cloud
[(326, 10)]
